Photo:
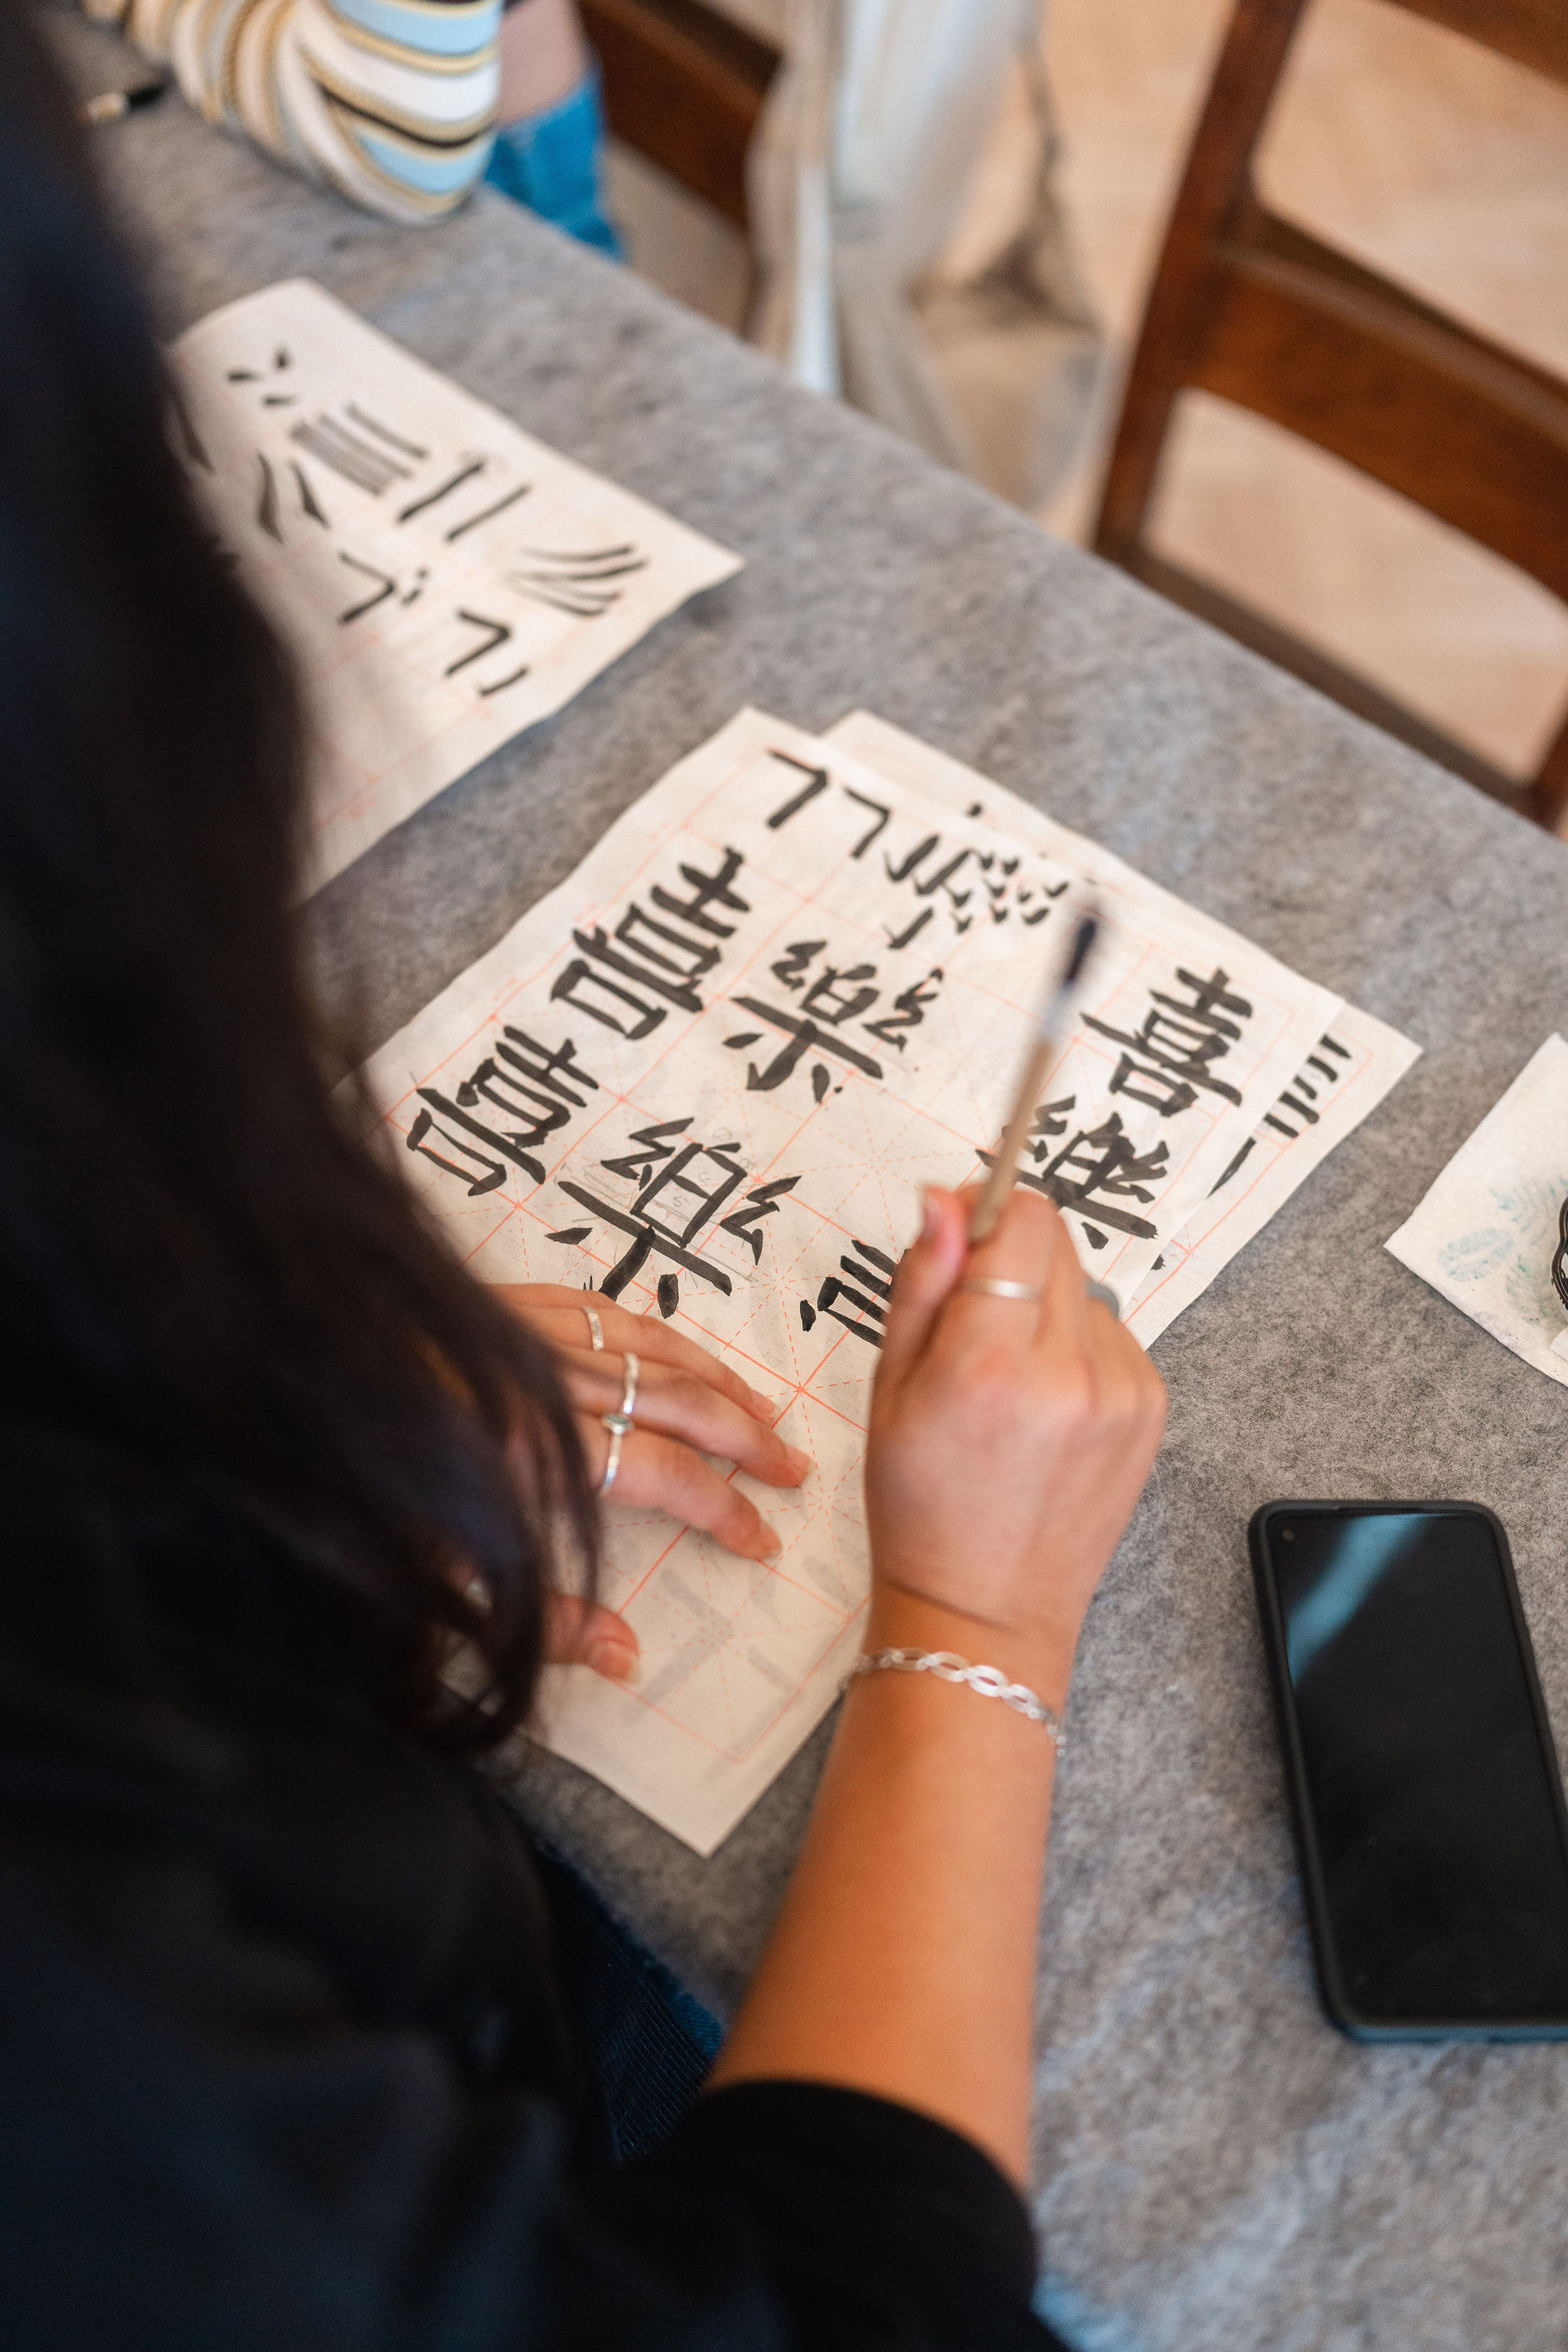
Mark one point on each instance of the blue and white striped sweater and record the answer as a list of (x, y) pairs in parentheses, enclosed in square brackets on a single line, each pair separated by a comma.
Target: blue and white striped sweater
[(392, 103)]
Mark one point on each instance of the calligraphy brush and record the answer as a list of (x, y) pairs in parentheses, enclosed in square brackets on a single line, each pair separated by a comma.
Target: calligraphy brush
[(1049, 1027), (115, 103)]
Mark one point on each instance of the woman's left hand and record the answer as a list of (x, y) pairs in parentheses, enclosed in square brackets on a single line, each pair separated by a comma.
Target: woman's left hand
[(688, 1405)]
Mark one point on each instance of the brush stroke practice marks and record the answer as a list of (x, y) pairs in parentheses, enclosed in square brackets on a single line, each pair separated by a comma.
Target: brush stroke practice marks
[(444, 580)]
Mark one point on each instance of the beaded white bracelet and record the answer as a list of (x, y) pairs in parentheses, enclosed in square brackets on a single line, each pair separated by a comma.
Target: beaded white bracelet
[(990, 1682)]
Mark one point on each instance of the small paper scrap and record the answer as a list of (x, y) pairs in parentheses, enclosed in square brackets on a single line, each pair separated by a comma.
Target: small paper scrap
[(1485, 1233)]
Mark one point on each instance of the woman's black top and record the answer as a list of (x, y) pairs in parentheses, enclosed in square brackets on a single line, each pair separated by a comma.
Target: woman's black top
[(282, 2062)]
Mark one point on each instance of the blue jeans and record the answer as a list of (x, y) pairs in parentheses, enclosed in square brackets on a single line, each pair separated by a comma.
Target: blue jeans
[(550, 163), (650, 2045)]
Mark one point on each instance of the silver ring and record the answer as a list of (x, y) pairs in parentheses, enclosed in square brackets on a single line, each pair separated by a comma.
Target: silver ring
[(1106, 1297), (619, 1424), (595, 1330), (988, 1286)]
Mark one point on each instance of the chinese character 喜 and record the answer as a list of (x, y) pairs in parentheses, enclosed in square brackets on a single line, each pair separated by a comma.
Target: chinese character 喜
[(522, 1080), (1171, 1055), (630, 986)]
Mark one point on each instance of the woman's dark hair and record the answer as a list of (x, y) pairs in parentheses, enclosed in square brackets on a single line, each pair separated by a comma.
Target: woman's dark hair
[(200, 1260)]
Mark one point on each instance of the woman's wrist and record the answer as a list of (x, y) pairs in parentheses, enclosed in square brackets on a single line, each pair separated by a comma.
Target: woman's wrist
[(1039, 1655)]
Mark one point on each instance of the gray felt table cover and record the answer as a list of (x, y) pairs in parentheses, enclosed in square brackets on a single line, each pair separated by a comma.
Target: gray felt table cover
[(1213, 2164)]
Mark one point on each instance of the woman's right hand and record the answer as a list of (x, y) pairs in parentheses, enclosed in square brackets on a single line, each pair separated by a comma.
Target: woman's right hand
[(1010, 1438)]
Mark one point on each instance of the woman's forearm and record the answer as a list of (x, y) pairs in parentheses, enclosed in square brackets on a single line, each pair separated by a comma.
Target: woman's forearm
[(902, 1962), (1012, 1427)]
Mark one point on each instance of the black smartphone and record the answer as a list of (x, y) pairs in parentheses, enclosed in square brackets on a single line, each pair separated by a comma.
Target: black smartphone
[(1428, 1804)]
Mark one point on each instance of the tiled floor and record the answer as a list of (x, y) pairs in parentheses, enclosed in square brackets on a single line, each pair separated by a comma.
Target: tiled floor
[(1410, 147)]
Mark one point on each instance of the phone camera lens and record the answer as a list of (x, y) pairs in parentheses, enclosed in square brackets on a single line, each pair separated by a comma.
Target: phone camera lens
[(1287, 1535)]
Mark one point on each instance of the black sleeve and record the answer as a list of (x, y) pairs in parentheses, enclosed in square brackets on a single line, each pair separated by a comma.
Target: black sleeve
[(200, 2150), (880, 2225)]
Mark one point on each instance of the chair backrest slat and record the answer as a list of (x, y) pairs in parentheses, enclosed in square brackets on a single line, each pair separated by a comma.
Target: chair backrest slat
[(1533, 33), (1247, 307)]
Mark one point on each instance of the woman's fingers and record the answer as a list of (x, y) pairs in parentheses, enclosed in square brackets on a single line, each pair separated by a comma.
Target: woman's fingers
[(1064, 1319), (1030, 1246), (582, 1633), (687, 1405), (681, 1404), (927, 1271), (1132, 1391), (560, 1316), (660, 1474)]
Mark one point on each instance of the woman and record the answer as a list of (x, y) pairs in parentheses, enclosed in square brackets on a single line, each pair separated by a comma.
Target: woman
[(287, 2055)]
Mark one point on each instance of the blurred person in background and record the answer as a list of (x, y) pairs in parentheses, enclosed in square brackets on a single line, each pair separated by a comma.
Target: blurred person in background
[(913, 249), (403, 106)]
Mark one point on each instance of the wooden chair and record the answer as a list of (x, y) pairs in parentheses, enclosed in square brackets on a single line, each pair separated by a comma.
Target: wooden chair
[(684, 86), (1250, 308)]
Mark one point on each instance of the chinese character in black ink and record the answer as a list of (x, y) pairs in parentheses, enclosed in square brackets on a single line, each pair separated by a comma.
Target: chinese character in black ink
[(469, 469), (269, 514), (496, 632), (836, 997), (682, 1192), (1098, 1168), (388, 586), (909, 1010), (965, 882), (350, 451), (523, 1080), (1312, 1080), (282, 361), (578, 584), (879, 809), (630, 986), (708, 890), (816, 781), (1027, 898), (941, 879), (1171, 1055), (1298, 1098), (990, 886), (874, 1277)]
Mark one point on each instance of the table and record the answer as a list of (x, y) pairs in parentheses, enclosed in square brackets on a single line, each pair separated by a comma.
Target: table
[(1214, 2165)]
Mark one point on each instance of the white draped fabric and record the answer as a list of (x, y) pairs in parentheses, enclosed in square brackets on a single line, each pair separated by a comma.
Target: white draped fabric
[(884, 117)]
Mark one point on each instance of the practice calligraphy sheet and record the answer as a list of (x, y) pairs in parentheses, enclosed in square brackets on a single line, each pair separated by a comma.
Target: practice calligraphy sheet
[(443, 579), (1489, 1229), (1344, 1072), (709, 1074)]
